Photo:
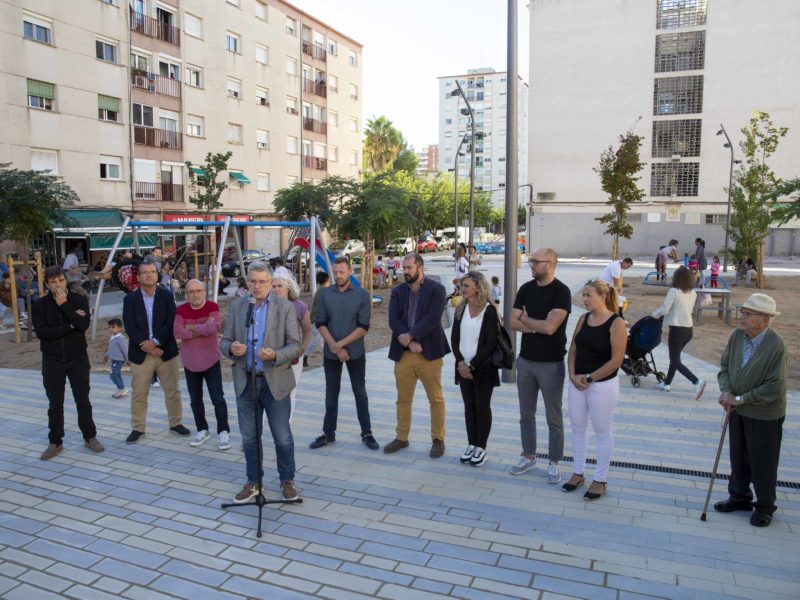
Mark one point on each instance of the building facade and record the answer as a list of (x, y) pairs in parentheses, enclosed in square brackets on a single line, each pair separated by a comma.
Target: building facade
[(428, 161), (672, 71), (485, 90), (114, 97)]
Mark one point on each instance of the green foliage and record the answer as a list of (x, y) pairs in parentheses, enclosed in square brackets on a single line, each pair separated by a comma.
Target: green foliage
[(382, 143), (406, 161), (376, 208), (754, 182), (618, 171), (785, 201), (303, 200), (206, 190)]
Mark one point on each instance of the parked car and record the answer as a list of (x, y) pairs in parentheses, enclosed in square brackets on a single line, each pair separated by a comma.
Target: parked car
[(231, 267), (291, 258), (426, 244), (401, 246), (351, 249), (444, 242)]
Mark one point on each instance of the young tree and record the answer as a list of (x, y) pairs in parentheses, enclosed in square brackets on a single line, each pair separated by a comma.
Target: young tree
[(205, 189), (303, 200), (618, 171), (785, 201)]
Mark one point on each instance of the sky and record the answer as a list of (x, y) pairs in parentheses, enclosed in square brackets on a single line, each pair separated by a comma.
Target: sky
[(409, 44)]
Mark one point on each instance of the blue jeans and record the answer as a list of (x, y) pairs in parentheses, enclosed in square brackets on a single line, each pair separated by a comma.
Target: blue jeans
[(250, 419), (116, 377), (213, 379), (356, 369)]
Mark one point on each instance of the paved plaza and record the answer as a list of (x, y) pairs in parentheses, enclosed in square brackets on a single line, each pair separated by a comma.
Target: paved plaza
[(144, 521)]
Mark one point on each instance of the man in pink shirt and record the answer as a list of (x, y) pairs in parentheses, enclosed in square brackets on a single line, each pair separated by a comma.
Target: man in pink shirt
[(197, 325)]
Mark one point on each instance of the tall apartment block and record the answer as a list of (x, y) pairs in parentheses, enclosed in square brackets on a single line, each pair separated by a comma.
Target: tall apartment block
[(485, 90), (428, 161), (672, 71), (114, 97)]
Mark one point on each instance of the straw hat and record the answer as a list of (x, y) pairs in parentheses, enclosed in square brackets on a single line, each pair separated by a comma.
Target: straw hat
[(761, 303)]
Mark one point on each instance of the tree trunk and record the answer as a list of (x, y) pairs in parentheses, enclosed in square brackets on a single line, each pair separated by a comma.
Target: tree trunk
[(615, 249)]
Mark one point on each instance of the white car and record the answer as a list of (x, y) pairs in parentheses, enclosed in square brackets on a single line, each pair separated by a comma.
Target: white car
[(401, 246), (352, 249)]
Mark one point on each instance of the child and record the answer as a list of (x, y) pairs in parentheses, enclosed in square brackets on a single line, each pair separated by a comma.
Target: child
[(714, 272), (118, 354), (497, 292), (241, 287)]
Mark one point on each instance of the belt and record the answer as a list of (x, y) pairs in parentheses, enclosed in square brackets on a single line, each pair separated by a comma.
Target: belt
[(257, 373)]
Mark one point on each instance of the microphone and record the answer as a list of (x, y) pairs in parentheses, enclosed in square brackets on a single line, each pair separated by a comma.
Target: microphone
[(250, 307)]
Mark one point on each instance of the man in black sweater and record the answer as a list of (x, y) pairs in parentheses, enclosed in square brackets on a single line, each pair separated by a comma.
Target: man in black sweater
[(60, 320)]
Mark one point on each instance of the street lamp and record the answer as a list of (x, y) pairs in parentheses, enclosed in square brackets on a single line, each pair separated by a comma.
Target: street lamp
[(727, 144), (460, 92), (455, 186)]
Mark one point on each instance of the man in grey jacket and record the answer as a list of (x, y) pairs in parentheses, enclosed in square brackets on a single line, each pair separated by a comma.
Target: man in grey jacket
[(275, 336)]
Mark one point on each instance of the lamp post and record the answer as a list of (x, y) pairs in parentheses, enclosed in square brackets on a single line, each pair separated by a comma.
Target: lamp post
[(730, 186), (455, 192), (460, 92)]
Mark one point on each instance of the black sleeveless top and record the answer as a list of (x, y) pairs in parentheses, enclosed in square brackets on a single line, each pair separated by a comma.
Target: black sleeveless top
[(593, 347)]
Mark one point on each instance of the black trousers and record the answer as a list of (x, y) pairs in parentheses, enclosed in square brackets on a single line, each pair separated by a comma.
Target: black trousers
[(194, 383), (755, 451), (54, 377), (676, 342), (477, 395)]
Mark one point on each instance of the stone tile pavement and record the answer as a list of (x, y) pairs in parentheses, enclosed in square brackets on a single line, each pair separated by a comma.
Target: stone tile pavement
[(144, 521)]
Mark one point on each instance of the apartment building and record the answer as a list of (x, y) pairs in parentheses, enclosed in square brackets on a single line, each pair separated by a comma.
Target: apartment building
[(114, 97), (485, 90), (674, 71), (428, 161)]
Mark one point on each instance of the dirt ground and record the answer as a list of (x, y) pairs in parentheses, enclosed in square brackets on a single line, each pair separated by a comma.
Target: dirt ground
[(711, 336)]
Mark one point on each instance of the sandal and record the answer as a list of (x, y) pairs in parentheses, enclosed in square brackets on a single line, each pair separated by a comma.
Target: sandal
[(599, 488), (573, 484)]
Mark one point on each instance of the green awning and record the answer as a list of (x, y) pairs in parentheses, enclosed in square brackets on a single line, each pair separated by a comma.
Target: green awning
[(41, 89), (91, 219), (240, 177), (198, 171), (106, 242), (107, 103)]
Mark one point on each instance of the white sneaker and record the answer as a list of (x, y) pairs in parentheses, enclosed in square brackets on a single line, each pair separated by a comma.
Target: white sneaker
[(468, 452), (478, 457), (699, 388), (200, 438), (120, 393), (224, 440), (553, 473), (524, 465), (23, 316), (156, 384), (661, 386)]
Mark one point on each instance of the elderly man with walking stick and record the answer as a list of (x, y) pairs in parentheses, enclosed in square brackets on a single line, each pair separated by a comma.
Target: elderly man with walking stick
[(752, 382)]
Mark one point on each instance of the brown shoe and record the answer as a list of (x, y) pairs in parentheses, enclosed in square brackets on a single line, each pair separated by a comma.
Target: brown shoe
[(94, 445), (394, 446), (51, 451), (437, 449), (249, 491), (289, 490)]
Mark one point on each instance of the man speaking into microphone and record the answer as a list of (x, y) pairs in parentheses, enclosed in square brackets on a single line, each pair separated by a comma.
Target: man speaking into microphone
[(265, 350)]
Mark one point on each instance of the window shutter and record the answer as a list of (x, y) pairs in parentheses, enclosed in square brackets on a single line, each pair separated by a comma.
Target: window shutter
[(41, 89), (107, 103)]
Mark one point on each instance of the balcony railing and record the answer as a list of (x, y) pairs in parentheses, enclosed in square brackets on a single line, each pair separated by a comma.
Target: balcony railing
[(315, 51), (167, 192), (157, 138), (154, 28), (315, 125), (315, 87), (156, 84), (312, 162)]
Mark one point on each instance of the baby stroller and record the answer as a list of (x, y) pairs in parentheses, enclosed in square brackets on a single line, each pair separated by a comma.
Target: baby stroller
[(644, 336)]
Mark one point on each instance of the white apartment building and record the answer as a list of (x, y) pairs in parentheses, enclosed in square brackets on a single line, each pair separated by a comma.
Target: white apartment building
[(114, 97), (673, 70), (485, 90)]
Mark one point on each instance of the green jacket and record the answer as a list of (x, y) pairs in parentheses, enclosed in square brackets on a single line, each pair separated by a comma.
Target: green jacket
[(761, 382)]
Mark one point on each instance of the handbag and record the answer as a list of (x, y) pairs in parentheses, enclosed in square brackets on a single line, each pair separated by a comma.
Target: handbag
[(706, 299), (503, 353)]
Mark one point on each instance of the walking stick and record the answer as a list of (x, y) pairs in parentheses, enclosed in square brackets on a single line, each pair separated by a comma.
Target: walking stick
[(716, 463)]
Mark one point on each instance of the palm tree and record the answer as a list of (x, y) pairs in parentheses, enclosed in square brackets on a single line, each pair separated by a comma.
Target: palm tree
[(382, 143)]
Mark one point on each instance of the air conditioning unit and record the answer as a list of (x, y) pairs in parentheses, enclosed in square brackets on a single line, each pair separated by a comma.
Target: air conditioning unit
[(140, 81), (152, 87), (151, 76), (233, 93), (262, 101), (261, 144)]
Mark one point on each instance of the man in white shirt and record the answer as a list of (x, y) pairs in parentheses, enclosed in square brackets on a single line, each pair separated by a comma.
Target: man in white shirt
[(612, 275)]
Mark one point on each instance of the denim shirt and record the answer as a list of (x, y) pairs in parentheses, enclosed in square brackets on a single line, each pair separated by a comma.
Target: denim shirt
[(260, 326)]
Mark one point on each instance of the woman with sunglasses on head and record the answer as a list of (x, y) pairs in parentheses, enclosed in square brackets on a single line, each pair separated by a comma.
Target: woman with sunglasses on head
[(596, 353)]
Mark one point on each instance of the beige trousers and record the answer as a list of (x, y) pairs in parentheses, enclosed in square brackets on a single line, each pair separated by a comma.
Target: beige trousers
[(141, 375), (410, 368)]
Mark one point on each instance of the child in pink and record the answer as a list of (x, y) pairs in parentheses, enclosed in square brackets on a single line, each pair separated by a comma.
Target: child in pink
[(714, 272)]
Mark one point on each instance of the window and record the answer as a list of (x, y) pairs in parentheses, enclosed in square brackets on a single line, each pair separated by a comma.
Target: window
[(193, 26), (238, 179), (352, 59), (332, 48), (291, 144), (291, 66), (107, 108), (41, 94), (674, 179), (169, 69), (678, 95), (142, 115), (262, 54), (353, 91), (291, 26), (234, 88), (716, 219), (262, 139), (262, 96), (37, 29), (333, 83), (195, 126), (333, 153), (307, 148), (106, 51), (110, 167), (352, 124), (233, 42), (291, 106), (234, 133), (44, 160), (262, 182), (261, 10), (168, 121), (676, 137), (680, 51), (194, 76), (671, 14), (353, 157)]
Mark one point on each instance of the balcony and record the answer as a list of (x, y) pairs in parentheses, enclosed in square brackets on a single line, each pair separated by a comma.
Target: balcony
[(157, 138), (315, 87), (312, 162), (315, 125), (315, 51), (167, 192), (155, 29), (157, 84)]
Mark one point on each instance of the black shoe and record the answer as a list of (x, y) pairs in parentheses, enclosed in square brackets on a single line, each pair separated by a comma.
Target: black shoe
[(760, 518), (731, 505), (134, 437), (180, 430), (321, 441), (370, 442), (305, 361)]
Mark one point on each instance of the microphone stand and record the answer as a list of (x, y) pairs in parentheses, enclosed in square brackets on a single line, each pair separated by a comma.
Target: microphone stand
[(260, 500)]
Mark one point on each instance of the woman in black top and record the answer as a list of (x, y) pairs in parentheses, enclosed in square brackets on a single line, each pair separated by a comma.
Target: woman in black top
[(473, 340), (597, 350)]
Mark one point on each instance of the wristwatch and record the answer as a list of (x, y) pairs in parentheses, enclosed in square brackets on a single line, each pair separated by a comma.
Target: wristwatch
[(589, 378), (739, 400)]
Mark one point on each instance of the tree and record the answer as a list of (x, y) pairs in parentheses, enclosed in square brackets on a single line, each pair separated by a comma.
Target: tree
[(382, 144), (406, 161), (375, 208), (205, 189), (618, 171), (303, 200), (754, 182), (785, 201)]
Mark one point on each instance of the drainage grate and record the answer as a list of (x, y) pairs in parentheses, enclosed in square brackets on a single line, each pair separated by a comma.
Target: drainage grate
[(793, 485)]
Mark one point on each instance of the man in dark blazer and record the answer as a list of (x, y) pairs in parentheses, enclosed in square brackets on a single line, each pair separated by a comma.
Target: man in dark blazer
[(418, 346), (149, 315)]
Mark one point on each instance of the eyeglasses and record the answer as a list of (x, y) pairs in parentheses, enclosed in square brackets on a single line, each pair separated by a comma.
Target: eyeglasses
[(536, 263), (746, 314)]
